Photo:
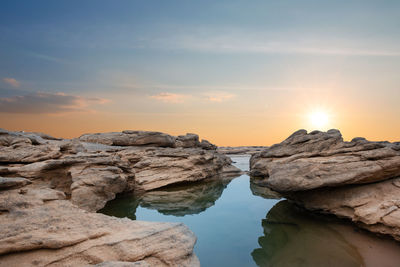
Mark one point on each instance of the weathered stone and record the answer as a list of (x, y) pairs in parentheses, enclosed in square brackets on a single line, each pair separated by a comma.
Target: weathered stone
[(53, 232), (375, 206), (155, 167), (188, 140), (307, 161), (204, 144), (130, 138), (7, 183), (355, 180), (47, 223)]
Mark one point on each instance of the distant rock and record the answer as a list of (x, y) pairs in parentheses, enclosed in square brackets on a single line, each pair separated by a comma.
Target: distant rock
[(130, 138), (241, 149), (318, 170)]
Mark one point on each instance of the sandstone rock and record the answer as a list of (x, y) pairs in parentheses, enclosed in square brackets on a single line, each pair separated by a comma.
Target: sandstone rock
[(307, 161), (188, 140), (355, 180), (7, 183), (47, 223), (130, 138), (19, 148), (53, 232), (375, 206), (204, 144), (155, 168), (123, 264)]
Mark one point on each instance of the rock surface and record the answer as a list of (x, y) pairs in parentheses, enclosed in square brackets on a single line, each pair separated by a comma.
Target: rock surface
[(356, 180), (49, 187), (39, 227)]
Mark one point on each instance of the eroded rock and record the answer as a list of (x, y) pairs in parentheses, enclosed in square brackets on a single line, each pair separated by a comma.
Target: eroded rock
[(307, 161), (50, 187), (46, 230), (357, 180)]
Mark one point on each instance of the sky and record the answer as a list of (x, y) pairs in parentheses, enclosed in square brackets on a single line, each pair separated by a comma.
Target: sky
[(234, 72)]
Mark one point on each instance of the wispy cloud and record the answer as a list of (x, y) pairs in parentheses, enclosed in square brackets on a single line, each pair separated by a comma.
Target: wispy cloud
[(169, 97), (218, 96), (48, 103), (11, 81), (239, 41)]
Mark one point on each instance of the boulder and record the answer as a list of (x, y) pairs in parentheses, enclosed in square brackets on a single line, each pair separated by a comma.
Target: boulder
[(318, 159), (357, 180), (45, 229), (155, 167)]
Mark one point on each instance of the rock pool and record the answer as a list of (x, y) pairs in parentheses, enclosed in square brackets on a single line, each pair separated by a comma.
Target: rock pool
[(240, 224)]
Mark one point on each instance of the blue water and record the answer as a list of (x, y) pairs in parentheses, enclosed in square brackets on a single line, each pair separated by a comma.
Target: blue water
[(239, 224), (227, 231)]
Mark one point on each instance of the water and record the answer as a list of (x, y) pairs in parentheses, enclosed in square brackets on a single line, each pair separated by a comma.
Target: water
[(240, 224)]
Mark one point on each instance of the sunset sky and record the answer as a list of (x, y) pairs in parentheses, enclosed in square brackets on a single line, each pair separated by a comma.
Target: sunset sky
[(234, 72)]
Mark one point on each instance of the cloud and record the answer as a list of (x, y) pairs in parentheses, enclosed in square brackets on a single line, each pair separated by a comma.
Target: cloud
[(218, 96), (169, 97), (231, 40), (48, 103), (11, 81)]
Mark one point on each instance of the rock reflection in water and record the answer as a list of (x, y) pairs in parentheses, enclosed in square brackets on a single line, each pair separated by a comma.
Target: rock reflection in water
[(178, 200), (263, 191), (294, 238)]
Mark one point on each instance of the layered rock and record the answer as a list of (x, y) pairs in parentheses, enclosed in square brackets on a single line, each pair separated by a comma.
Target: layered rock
[(234, 150), (39, 227), (356, 180), (48, 187)]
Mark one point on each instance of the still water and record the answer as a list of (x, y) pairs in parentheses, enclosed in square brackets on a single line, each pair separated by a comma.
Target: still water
[(240, 224)]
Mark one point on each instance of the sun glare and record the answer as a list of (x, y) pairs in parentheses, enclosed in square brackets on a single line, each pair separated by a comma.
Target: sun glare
[(319, 120)]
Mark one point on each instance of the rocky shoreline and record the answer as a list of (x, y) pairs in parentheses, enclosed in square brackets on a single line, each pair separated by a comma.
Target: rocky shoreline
[(50, 189), (243, 150), (357, 180)]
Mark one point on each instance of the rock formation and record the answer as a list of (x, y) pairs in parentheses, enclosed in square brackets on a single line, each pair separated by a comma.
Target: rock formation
[(40, 227), (318, 170), (233, 150), (49, 188)]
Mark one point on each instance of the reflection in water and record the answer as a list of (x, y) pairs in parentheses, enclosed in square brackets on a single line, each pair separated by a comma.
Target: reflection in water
[(178, 200), (294, 238), (227, 233), (263, 191)]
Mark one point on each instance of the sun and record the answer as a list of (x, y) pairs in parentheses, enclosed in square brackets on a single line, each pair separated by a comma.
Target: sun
[(319, 120)]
